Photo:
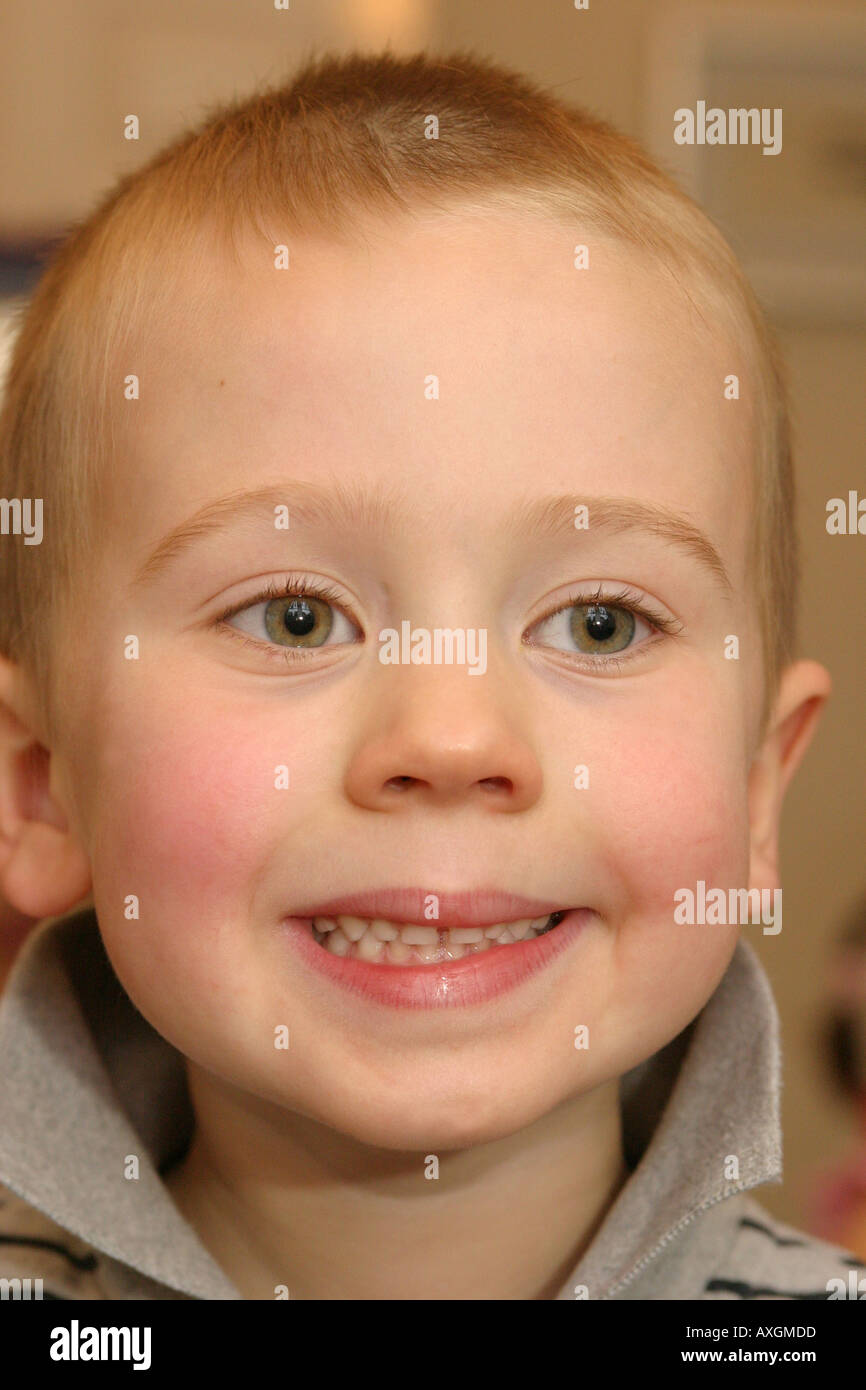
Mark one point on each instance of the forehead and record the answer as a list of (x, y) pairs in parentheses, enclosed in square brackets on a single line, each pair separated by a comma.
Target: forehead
[(459, 353)]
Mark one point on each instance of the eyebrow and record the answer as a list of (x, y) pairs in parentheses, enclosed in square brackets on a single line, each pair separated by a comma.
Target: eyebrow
[(555, 516), (342, 507), (353, 507)]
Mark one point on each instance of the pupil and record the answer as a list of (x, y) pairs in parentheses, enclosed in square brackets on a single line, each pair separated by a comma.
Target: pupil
[(600, 623), (299, 617)]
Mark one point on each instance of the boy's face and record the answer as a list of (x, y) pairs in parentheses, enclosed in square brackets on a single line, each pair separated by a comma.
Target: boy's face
[(598, 382)]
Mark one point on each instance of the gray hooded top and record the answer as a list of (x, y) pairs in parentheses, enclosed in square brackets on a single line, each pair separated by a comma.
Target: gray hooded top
[(86, 1081)]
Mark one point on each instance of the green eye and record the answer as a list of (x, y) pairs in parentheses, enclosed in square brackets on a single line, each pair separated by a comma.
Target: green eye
[(296, 616), (588, 625), (296, 621), (601, 627)]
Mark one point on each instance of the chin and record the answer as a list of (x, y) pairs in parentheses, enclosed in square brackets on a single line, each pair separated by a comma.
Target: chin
[(437, 1134), (437, 1125)]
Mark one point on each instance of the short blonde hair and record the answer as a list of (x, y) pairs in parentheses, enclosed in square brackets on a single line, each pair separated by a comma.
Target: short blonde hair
[(341, 141)]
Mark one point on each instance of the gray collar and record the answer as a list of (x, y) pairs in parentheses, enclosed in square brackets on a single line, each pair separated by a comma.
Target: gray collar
[(86, 1082)]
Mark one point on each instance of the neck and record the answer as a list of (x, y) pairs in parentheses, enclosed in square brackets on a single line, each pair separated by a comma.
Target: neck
[(281, 1200)]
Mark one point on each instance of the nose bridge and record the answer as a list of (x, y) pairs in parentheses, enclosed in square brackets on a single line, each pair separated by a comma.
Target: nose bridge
[(439, 618), (448, 703)]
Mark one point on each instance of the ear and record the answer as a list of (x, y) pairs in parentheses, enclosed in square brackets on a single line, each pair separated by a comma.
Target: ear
[(804, 688), (44, 870)]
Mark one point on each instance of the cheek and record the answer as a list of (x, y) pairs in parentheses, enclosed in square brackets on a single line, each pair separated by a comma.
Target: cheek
[(668, 806), (192, 808), (669, 795), (679, 811), (188, 818), (183, 814)]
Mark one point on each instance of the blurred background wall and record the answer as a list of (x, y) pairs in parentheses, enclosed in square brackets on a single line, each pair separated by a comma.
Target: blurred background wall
[(69, 74)]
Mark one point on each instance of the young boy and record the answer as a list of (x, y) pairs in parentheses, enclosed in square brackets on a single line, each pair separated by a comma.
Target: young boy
[(411, 638)]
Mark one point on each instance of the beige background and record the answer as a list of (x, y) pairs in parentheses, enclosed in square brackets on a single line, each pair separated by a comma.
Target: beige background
[(71, 73)]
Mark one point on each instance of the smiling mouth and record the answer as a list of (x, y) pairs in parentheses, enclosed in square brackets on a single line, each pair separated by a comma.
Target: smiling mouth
[(380, 942)]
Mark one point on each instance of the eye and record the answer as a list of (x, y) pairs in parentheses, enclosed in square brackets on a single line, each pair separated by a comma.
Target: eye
[(595, 628), (592, 625), (295, 616)]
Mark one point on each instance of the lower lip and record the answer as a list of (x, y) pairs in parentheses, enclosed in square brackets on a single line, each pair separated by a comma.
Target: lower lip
[(470, 980)]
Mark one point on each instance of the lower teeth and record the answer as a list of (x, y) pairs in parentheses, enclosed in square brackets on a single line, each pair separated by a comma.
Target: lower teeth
[(399, 953)]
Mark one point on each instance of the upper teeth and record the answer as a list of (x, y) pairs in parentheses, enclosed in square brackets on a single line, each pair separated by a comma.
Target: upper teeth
[(353, 928)]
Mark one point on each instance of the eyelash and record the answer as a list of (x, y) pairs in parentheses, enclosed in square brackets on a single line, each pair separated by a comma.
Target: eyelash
[(298, 586), (626, 599), (294, 586)]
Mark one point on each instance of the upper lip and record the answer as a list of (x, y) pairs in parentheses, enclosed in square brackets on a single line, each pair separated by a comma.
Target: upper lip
[(475, 907)]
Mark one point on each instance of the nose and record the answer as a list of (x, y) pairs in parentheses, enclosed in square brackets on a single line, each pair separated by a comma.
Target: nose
[(442, 738)]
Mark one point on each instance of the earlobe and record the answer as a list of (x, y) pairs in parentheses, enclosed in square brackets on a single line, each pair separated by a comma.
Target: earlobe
[(43, 869), (46, 873), (804, 688)]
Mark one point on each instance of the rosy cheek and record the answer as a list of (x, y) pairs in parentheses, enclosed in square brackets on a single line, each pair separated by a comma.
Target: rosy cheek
[(192, 805), (668, 809), (672, 808)]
